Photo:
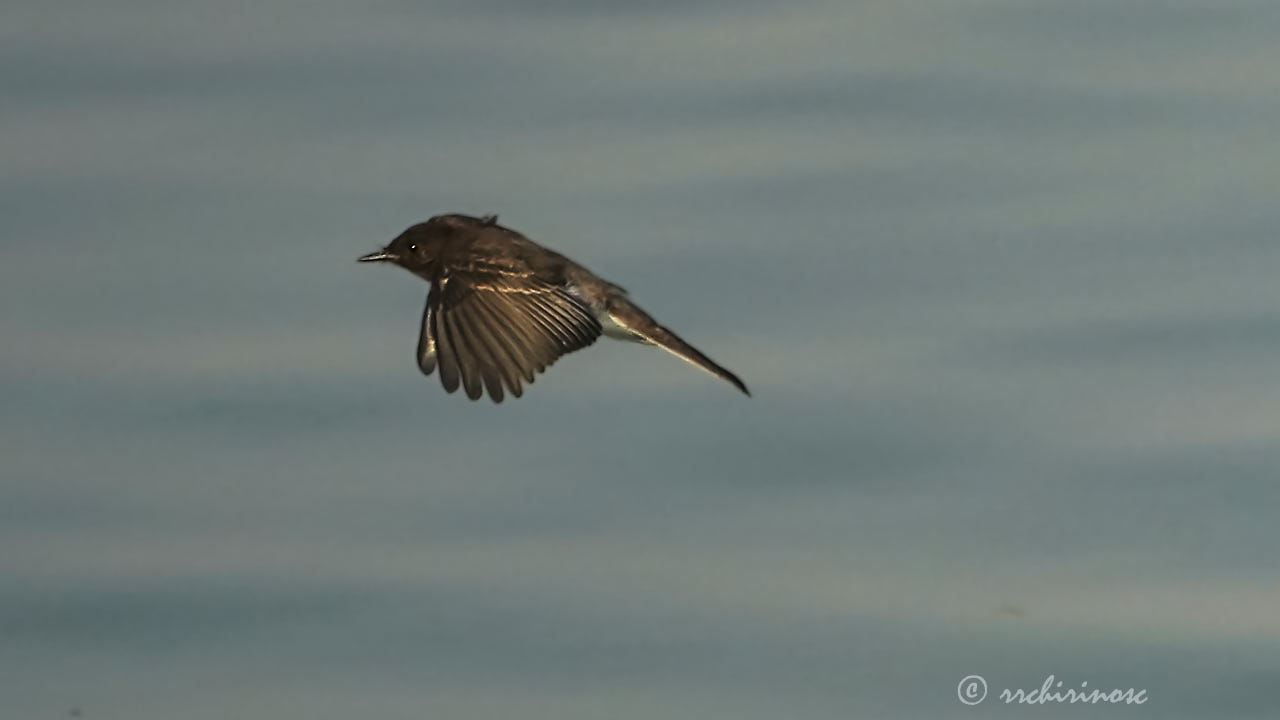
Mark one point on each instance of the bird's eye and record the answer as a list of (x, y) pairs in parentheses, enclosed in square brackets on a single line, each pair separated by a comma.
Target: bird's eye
[(413, 247)]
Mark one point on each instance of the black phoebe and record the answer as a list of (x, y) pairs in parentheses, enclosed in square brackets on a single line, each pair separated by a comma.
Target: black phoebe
[(502, 308)]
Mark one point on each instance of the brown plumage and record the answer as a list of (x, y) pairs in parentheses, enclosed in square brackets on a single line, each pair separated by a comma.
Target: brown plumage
[(502, 308)]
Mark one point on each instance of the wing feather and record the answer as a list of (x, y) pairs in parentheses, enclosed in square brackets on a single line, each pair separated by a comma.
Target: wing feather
[(495, 367), (520, 347), (450, 372), (427, 340), (489, 331)]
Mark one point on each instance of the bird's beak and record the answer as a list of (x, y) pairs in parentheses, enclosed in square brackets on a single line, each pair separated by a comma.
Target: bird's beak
[(380, 256)]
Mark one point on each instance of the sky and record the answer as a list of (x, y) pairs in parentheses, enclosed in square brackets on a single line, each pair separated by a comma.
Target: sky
[(1000, 274)]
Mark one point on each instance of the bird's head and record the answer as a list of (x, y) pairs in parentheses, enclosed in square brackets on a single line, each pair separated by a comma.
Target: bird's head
[(418, 248), (415, 249)]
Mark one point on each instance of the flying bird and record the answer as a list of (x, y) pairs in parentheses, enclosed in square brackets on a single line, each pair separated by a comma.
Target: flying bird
[(502, 308)]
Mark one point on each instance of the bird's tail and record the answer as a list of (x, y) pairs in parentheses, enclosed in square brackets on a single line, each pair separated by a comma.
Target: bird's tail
[(626, 315)]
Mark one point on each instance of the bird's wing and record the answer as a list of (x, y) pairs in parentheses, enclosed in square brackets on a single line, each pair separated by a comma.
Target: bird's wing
[(490, 329)]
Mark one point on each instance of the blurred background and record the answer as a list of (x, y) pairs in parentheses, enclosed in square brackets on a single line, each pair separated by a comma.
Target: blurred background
[(1002, 276)]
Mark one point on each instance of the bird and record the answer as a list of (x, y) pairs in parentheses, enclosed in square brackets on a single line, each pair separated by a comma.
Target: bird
[(502, 308)]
